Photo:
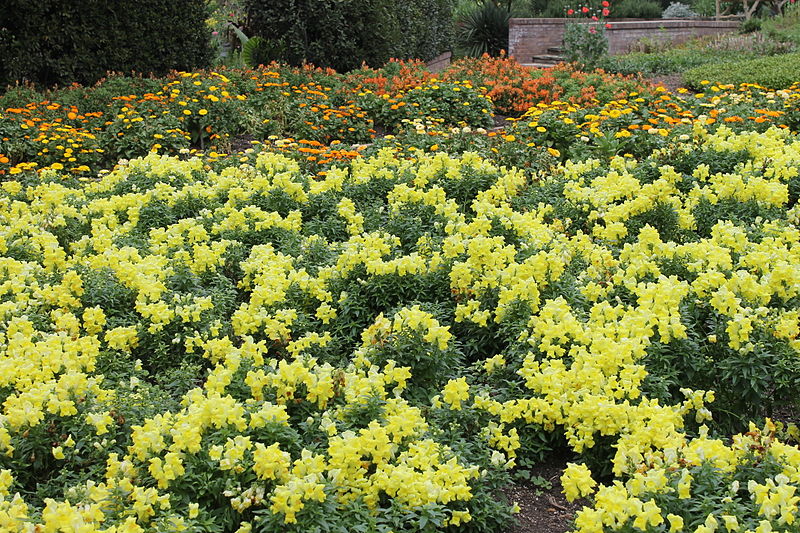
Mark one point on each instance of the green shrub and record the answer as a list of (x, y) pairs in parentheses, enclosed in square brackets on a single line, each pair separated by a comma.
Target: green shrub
[(776, 72), (345, 34), (666, 61), (750, 25), (636, 9), (677, 10), (426, 28), (585, 44), (555, 9), (484, 30), (785, 27), (704, 8), (55, 42)]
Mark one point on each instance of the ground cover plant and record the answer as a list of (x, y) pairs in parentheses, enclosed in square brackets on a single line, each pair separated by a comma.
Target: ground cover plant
[(776, 71), (348, 331)]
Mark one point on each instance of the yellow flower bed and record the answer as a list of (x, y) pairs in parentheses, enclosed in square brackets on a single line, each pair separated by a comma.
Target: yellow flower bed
[(257, 348)]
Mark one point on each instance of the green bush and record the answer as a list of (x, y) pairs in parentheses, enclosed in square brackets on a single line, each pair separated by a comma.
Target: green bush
[(677, 10), (750, 25), (704, 8), (426, 28), (777, 72), (555, 9), (636, 9), (58, 42), (585, 44), (785, 27), (344, 34), (484, 30), (666, 61)]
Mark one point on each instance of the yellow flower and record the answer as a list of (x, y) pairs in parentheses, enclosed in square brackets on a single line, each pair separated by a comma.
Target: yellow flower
[(675, 522), (459, 517), (577, 481), (455, 392), (270, 462), (100, 421)]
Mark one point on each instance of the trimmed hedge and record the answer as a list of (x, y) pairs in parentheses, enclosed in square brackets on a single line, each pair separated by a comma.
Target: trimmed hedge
[(775, 72), (343, 34), (57, 42)]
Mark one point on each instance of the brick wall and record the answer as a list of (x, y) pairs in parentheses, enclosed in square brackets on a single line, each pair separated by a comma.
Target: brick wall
[(530, 37), (440, 62)]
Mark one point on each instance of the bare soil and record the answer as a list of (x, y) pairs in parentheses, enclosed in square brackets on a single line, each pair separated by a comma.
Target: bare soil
[(543, 510)]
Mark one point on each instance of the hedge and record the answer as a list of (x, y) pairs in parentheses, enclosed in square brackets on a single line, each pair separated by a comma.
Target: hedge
[(775, 72), (343, 34), (58, 42)]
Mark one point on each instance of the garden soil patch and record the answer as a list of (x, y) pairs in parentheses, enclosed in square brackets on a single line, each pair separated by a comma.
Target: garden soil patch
[(543, 510)]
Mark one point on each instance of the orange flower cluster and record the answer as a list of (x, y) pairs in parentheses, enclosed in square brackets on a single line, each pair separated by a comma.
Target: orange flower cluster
[(397, 76), (515, 88), (322, 154), (61, 137)]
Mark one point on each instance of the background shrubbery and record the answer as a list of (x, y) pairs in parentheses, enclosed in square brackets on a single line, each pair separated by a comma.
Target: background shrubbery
[(55, 42), (344, 34)]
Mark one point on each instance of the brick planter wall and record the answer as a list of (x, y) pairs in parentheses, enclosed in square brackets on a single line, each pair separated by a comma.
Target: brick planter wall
[(440, 62), (532, 37)]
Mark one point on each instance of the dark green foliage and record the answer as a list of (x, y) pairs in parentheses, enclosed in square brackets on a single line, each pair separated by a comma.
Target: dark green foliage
[(345, 34), (259, 51), (551, 9), (58, 42), (484, 30), (750, 25), (722, 161), (636, 9)]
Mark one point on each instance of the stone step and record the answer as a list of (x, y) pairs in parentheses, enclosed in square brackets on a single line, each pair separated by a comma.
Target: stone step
[(545, 58), (556, 50), (538, 65)]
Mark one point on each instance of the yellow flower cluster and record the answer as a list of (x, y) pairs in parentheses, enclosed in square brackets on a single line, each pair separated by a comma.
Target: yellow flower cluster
[(668, 478), (162, 259)]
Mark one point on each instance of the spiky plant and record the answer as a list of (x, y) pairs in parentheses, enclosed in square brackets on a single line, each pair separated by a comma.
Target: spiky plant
[(484, 30)]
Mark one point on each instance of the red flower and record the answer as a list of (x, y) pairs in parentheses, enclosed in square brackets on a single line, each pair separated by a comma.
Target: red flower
[(594, 18), (608, 26), (606, 12), (570, 11), (584, 9), (605, 4)]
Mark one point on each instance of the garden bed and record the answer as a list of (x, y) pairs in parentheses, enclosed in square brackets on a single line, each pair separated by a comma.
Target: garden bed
[(337, 330)]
